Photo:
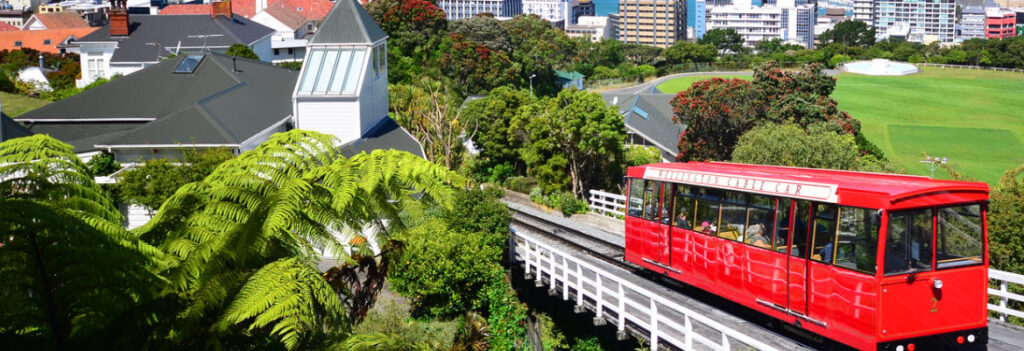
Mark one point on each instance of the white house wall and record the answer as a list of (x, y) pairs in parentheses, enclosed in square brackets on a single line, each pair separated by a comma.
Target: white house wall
[(374, 99), (135, 215), (338, 118), (95, 51)]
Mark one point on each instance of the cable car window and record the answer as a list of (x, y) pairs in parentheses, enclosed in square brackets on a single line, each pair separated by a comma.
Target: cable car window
[(683, 207), (666, 203), (734, 216), (706, 219), (759, 222), (908, 242), (857, 241), (782, 217), (798, 247), (636, 198), (650, 200), (959, 241), (825, 220)]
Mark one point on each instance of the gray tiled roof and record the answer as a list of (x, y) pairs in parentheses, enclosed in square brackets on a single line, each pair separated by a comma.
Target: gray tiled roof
[(348, 22), (213, 105), (152, 35), (385, 135), (650, 116), (9, 129)]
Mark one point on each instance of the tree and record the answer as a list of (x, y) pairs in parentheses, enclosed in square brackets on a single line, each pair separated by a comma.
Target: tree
[(687, 52), (155, 181), (433, 115), (726, 40), (243, 51), (715, 113), (415, 29), (473, 68), (539, 49), (819, 146), (484, 30), (103, 164), (491, 117), (573, 139), (640, 54), (849, 33), (1006, 222)]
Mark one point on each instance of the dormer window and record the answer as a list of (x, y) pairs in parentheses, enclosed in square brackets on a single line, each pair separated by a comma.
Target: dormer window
[(333, 71), (17, 43)]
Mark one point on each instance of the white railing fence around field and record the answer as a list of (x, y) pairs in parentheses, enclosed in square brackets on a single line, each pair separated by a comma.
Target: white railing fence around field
[(615, 204), (663, 320), (945, 66), (1003, 294), (606, 203)]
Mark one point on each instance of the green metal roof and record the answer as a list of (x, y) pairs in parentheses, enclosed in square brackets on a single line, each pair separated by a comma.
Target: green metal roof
[(348, 23), (569, 75)]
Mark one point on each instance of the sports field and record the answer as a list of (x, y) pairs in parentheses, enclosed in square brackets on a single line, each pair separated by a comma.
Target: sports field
[(973, 117)]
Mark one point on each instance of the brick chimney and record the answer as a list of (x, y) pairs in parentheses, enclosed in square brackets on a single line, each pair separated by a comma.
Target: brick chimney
[(220, 8), (119, 24)]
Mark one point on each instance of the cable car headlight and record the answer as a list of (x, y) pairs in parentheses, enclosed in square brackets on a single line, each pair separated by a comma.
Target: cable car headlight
[(970, 338), (937, 284)]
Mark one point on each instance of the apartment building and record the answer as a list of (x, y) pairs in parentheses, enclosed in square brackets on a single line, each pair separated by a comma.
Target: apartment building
[(864, 11), (593, 27), (972, 22), (554, 11), (459, 9), (786, 21), (696, 19), (935, 19), (1000, 23), (652, 22)]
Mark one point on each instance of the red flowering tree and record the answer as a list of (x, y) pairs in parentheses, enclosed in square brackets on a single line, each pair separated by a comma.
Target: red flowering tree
[(474, 68), (715, 113), (415, 29)]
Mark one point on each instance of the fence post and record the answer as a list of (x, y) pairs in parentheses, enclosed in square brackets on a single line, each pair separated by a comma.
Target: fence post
[(579, 284), (565, 279), (622, 308), (600, 296), (1004, 287), (654, 325)]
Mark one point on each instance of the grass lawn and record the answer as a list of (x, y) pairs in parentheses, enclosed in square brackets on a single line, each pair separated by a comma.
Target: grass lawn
[(14, 104), (682, 83), (975, 118)]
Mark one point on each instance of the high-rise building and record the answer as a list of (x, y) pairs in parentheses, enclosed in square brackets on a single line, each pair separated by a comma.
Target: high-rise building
[(652, 22), (785, 21), (581, 8), (972, 22), (459, 9), (614, 20), (864, 11), (555, 11), (935, 20), (696, 17)]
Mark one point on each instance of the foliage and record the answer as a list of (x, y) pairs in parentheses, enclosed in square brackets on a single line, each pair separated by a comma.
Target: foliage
[(431, 113), (638, 155), (574, 137), (819, 146), (588, 344), (481, 212), (103, 164), (492, 116), (850, 33), (506, 315), (292, 65), (538, 49), (242, 50), (521, 184), (550, 336), (726, 40), (687, 52), (458, 268), (415, 29), (474, 68), (715, 112), (62, 94), (485, 30), (155, 181), (1006, 222), (393, 319), (567, 203)]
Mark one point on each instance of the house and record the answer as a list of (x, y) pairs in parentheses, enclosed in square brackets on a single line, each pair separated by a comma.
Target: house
[(343, 87), (92, 11), (133, 42), (54, 41), (295, 22), (55, 20), (648, 119), (15, 17), (569, 79)]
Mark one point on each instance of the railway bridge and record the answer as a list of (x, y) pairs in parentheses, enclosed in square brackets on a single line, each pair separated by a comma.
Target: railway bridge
[(583, 265)]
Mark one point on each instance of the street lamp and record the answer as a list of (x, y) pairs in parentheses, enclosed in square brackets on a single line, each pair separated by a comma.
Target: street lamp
[(931, 161), (531, 84)]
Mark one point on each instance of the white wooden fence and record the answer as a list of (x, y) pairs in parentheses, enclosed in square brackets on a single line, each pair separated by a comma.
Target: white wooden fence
[(630, 303), (945, 66), (608, 204), (615, 204), (1003, 294)]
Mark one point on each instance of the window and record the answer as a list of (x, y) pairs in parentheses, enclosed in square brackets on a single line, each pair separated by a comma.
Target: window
[(824, 236), (277, 51), (291, 51), (17, 43), (734, 216), (959, 240), (333, 71), (47, 42), (189, 64), (857, 241), (908, 242), (706, 217), (782, 220), (683, 207), (96, 67), (759, 221), (798, 247), (650, 200), (666, 202), (636, 199)]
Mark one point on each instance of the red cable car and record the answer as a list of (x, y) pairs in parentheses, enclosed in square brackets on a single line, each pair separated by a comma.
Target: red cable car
[(874, 261)]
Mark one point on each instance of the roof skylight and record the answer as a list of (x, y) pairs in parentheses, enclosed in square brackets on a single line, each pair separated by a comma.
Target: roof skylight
[(189, 64), (332, 72)]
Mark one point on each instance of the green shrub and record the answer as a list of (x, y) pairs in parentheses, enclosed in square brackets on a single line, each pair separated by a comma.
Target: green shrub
[(638, 155), (103, 164), (506, 315), (568, 203), (293, 65), (521, 184), (588, 344), (551, 337), (498, 173), (481, 212), (393, 319), (442, 270)]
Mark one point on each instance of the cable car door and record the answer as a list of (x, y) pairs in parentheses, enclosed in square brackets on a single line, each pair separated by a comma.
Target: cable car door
[(797, 258), (665, 227)]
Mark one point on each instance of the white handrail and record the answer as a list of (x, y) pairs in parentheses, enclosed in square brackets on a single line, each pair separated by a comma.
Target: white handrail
[(632, 303), (1003, 293), (946, 65), (606, 203)]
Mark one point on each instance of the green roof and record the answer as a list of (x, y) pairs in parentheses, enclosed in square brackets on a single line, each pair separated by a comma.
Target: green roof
[(569, 75)]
